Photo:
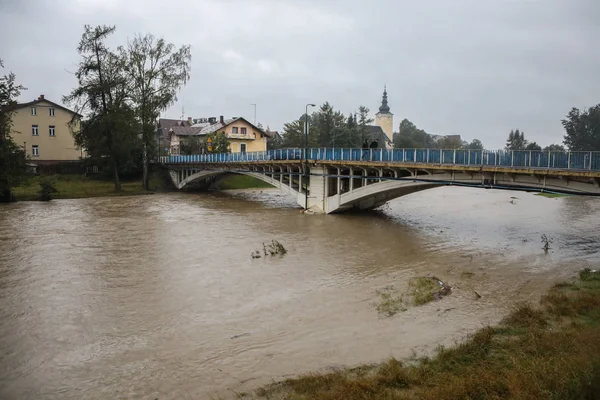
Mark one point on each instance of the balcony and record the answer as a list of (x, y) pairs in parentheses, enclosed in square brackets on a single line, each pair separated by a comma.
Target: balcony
[(240, 136)]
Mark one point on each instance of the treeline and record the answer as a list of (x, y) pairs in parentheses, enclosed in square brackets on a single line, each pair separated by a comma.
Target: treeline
[(328, 128), (120, 95)]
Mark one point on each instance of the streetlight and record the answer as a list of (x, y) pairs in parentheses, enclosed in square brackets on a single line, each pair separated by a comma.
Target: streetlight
[(254, 113), (306, 154)]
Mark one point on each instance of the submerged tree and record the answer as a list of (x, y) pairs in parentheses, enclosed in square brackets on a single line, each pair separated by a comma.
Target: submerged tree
[(156, 71), (12, 157), (110, 129)]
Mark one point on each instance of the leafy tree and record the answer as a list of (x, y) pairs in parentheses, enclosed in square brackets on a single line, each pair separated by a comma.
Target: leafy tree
[(156, 72), (582, 129), (554, 147), (449, 143), (475, 145), (13, 168), (533, 146), (192, 145), (110, 131), (516, 140), (219, 142), (293, 133), (410, 137)]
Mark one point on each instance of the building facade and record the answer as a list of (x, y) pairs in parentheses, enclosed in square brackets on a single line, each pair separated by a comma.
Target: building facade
[(242, 136), (42, 128)]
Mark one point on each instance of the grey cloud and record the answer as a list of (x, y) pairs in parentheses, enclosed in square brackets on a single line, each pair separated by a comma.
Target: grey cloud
[(476, 68)]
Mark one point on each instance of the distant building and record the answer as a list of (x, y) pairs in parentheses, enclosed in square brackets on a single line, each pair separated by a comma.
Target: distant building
[(42, 128), (385, 120), (242, 135)]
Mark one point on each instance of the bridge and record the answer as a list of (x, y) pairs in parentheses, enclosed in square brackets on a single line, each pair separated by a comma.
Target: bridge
[(332, 180)]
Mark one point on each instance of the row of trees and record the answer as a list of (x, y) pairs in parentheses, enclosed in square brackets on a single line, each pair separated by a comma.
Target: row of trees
[(120, 95), (328, 128)]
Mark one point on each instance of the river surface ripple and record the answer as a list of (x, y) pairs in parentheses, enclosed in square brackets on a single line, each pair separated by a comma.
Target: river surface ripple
[(157, 296)]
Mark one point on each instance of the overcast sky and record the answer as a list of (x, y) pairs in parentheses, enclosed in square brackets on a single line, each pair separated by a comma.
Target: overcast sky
[(470, 67)]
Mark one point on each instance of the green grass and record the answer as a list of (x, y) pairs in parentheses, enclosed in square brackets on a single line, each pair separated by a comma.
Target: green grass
[(551, 195), (551, 351), (235, 181), (78, 186)]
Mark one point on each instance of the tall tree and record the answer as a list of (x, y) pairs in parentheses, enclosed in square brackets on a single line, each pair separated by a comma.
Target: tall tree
[(412, 137), (582, 129), (12, 157), (516, 140), (110, 130), (362, 120), (293, 134), (156, 72)]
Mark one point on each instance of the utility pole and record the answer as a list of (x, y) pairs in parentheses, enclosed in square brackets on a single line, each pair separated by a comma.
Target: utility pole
[(254, 113)]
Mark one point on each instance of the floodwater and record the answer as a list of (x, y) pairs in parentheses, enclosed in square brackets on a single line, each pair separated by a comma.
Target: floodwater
[(158, 297)]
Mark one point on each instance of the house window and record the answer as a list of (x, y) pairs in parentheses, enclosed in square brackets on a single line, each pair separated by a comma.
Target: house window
[(243, 148), (52, 131), (243, 131), (234, 129), (34, 130), (35, 150), (33, 111), (51, 110)]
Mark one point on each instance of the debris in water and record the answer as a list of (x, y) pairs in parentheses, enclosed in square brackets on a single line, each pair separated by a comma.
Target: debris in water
[(240, 335)]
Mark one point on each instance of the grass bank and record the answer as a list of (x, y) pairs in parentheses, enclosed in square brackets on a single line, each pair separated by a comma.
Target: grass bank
[(551, 195), (236, 181), (551, 351), (79, 186)]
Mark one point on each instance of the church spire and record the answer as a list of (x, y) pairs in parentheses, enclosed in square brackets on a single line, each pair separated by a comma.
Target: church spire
[(384, 109)]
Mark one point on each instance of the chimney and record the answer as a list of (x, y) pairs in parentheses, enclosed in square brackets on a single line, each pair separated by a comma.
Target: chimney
[(212, 120), (190, 121), (41, 97), (221, 119)]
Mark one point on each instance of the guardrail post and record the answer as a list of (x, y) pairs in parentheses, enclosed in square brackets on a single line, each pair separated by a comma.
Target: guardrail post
[(512, 158), (415, 159), (454, 157), (568, 160), (590, 166), (427, 156), (529, 158), (549, 157), (468, 157)]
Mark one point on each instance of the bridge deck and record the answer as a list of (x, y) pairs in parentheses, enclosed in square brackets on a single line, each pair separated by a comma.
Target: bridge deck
[(582, 164)]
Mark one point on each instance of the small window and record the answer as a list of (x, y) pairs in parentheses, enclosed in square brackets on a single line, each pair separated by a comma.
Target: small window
[(243, 148), (34, 130), (243, 131), (33, 111), (35, 150), (234, 129), (51, 110), (52, 131)]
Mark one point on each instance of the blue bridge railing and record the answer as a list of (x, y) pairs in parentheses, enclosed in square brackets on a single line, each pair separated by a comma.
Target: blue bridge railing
[(580, 160)]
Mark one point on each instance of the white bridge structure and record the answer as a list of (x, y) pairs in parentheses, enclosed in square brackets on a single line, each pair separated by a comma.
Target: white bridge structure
[(338, 180)]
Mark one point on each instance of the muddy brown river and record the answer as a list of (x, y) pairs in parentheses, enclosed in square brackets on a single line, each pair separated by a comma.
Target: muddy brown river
[(158, 297)]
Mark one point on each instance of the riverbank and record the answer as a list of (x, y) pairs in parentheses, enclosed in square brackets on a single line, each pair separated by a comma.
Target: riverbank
[(551, 351), (79, 186)]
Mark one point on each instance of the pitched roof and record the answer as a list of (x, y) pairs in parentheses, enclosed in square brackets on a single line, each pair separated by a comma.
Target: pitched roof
[(167, 123), (37, 101), (375, 132), (206, 128), (184, 130)]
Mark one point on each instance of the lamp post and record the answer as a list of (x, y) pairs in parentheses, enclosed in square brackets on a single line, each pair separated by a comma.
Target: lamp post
[(306, 154)]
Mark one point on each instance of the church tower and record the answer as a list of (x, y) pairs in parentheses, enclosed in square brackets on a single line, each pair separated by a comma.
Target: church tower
[(384, 118)]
